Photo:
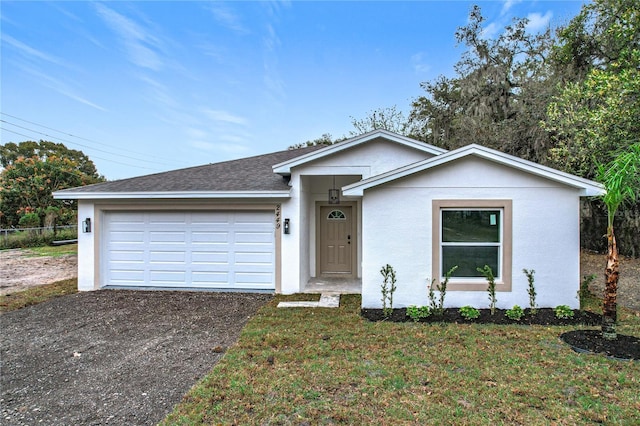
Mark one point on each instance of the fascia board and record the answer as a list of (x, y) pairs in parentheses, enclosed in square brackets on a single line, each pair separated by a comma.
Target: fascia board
[(285, 167), (63, 195), (588, 187)]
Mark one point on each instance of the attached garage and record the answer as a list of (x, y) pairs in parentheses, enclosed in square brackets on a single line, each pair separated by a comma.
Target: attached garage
[(230, 250)]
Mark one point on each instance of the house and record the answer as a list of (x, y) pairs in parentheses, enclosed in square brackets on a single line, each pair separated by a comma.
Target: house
[(274, 222)]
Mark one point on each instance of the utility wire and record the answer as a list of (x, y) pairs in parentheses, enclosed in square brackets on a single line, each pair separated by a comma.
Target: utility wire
[(84, 139), (84, 146), (93, 156)]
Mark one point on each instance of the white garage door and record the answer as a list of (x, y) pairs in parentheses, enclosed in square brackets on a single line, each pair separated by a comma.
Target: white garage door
[(222, 250)]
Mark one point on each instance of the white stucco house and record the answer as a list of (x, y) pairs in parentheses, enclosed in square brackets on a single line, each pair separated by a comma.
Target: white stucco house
[(276, 221)]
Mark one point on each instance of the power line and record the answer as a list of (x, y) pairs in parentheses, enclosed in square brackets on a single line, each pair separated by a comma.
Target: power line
[(93, 156), (84, 146), (84, 139)]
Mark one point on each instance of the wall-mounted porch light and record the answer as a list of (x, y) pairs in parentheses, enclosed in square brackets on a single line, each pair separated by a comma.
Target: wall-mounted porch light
[(334, 193), (86, 225)]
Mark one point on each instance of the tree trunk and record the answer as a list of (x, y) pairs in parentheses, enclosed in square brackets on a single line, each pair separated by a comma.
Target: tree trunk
[(609, 306)]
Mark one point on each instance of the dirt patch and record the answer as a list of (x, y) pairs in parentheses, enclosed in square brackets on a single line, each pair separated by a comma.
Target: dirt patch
[(628, 285), (20, 270), (113, 356)]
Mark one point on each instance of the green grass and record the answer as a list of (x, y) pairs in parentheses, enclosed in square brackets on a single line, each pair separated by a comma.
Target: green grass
[(35, 295), (327, 366), (54, 251)]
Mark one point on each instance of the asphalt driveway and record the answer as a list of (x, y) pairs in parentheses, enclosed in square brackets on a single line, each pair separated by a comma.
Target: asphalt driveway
[(113, 356)]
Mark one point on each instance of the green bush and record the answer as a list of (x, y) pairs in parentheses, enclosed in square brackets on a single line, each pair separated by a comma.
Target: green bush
[(515, 313), (24, 239), (469, 312), (563, 312), (416, 313)]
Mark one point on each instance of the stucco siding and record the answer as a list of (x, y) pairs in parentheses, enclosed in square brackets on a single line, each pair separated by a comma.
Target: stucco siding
[(397, 229), (86, 247), (375, 157)]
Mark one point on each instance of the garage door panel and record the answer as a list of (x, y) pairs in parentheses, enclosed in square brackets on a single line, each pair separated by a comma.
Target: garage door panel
[(225, 250), (254, 237), (126, 236), (210, 258), (167, 275), (159, 237), (250, 258), (167, 257), (127, 256), (124, 273), (210, 236)]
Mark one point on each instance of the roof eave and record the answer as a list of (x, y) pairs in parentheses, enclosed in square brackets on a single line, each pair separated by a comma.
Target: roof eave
[(587, 187), (79, 195)]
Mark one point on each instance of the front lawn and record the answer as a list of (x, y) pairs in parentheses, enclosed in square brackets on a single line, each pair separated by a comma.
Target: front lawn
[(39, 294), (54, 251), (325, 366)]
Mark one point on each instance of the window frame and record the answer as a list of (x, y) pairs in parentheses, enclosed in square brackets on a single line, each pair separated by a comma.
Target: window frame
[(503, 281)]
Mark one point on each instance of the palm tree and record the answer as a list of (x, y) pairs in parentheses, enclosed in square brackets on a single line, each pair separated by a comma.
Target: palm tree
[(621, 179)]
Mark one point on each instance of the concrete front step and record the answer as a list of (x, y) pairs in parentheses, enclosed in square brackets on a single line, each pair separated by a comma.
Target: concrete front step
[(327, 300)]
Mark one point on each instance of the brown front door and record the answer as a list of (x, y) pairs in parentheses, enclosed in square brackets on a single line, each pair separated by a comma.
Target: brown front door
[(336, 240)]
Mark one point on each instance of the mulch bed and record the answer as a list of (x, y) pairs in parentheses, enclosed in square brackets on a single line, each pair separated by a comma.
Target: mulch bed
[(583, 341), (543, 316), (591, 341)]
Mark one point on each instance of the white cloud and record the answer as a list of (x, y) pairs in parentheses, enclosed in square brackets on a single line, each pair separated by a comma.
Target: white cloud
[(227, 18), (232, 149), (30, 52), (538, 21), (64, 89), (225, 117), (508, 4), (139, 44), (491, 30), (420, 66)]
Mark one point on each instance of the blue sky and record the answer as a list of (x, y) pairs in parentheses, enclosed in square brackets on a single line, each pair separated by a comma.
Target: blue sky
[(143, 87)]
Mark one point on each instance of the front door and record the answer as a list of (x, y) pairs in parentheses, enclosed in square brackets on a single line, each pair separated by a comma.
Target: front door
[(337, 240)]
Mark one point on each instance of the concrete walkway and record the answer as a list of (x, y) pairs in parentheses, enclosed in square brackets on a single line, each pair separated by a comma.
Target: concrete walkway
[(327, 300)]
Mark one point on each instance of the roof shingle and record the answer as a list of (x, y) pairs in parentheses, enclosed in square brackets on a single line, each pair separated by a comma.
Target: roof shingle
[(245, 174)]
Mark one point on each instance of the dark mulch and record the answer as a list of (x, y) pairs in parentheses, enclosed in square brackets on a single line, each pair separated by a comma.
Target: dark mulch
[(543, 316), (591, 341)]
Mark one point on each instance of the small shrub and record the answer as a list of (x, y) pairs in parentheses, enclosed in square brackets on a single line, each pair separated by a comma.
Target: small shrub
[(563, 312), (584, 292), (491, 289), (387, 288), (515, 313), (23, 239), (531, 290), (438, 306), (469, 312), (416, 313)]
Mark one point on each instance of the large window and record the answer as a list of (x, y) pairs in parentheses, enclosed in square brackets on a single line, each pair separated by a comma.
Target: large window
[(470, 234)]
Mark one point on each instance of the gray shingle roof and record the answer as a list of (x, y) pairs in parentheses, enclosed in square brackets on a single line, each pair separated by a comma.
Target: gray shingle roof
[(245, 174)]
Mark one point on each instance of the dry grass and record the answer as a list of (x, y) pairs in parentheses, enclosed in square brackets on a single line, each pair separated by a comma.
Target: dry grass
[(35, 295), (326, 366)]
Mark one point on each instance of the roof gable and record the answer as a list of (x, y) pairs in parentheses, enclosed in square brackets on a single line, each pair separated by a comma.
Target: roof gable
[(284, 168), (588, 187)]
